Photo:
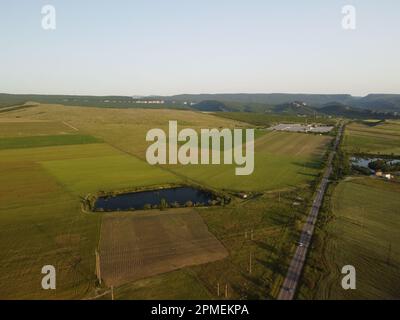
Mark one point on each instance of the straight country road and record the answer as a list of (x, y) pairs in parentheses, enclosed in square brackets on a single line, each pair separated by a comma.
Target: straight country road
[(291, 281)]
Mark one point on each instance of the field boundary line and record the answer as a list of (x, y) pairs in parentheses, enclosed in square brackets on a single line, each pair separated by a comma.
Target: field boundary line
[(71, 126), (98, 296)]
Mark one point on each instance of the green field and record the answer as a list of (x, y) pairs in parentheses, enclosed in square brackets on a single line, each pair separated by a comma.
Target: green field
[(40, 224), (175, 285), (282, 160), (40, 212), (46, 141), (361, 228), (41, 219), (373, 137), (46, 167)]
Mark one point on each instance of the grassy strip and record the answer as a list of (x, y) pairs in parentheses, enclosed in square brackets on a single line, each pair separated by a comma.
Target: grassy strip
[(45, 141)]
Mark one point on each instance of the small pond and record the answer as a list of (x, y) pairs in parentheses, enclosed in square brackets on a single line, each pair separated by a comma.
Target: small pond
[(142, 199), (364, 162)]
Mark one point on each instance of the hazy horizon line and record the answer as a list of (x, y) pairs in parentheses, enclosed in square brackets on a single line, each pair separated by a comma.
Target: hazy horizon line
[(202, 93)]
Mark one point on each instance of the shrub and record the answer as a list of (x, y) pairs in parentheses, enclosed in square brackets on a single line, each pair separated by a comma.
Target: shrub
[(163, 204), (189, 204), (175, 205)]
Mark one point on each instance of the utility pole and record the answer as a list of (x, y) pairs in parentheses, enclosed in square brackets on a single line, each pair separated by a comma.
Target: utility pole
[(389, 253), (226, 291), (98, 270), (362, 217), (250, 263)]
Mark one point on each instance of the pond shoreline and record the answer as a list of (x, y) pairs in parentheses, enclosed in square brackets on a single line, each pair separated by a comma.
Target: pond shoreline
[(363, 163), (154, 197)]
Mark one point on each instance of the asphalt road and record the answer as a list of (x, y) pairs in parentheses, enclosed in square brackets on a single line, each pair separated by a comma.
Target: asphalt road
[(289, 286)]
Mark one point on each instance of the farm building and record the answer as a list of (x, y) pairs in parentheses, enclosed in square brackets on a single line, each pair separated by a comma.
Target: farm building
[(379, 173), (296, 127), (387, 176)]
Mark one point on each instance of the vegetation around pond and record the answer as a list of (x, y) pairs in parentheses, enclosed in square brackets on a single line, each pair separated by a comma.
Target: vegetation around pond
[(384, 165), (217, 198)]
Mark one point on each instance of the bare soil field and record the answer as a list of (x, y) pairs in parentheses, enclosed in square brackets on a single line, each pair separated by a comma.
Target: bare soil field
[(146, 243)]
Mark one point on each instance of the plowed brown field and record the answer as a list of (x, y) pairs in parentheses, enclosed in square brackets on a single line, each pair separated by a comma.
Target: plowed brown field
[(142, 244)]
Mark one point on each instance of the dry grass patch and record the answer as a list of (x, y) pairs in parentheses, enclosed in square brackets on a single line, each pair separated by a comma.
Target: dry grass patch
[(123, 128), (143, 244), (25, 127)]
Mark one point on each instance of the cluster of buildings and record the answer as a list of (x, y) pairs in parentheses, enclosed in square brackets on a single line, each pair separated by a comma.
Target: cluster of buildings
[(150, 101), (141, 101), (296, 127), (136, 101), (387, 176)]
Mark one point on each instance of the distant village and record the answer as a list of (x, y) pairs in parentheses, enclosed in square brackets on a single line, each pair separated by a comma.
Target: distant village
[(387, 176), (156, 101), (136, 101), (306, 128)]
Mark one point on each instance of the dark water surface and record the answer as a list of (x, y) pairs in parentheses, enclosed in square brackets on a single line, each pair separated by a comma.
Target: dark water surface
[(364, 162), (137, 200)]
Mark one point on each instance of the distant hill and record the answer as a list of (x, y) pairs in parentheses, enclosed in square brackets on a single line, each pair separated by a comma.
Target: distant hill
[(266, 98), (337, 109), (381, 105), (210, 106), (8, 100), (375, 102), (295, 108), (380, 102), (85, 101)]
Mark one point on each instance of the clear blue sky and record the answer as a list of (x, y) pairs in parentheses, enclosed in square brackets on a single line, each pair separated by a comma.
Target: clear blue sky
[(167, 47)]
